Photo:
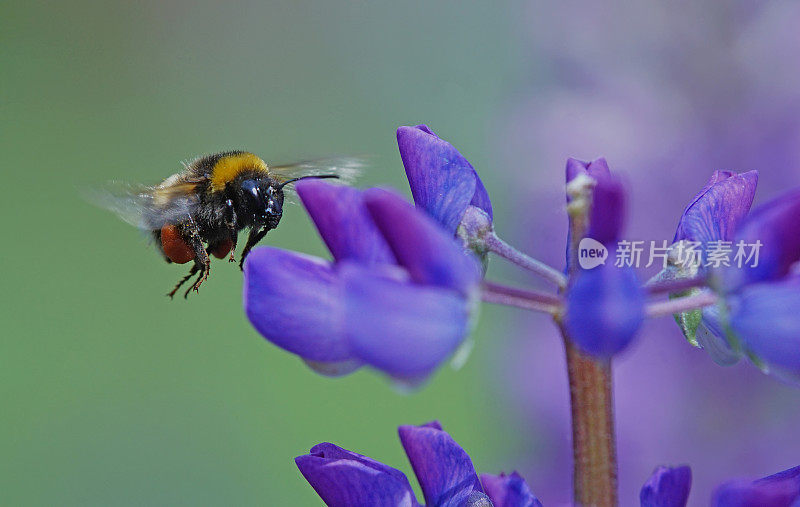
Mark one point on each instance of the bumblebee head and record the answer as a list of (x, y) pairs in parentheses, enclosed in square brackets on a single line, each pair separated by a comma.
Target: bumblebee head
[(263, 201)]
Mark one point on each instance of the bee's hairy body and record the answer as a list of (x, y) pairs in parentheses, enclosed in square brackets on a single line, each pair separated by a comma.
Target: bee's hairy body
[(201, 210), (228, 192)]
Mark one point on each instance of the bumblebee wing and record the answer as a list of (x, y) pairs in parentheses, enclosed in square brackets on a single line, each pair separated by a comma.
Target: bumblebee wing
[(348, 169), (145, 207)]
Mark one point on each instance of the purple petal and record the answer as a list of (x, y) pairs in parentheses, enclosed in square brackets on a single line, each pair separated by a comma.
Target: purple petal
[(430, 255), (776, 225), (716, 177), (779, 490), (716, 211), (607, 215), (432, 424), (401, 328), (295, 301), (481, 198), (667, 487), (597, 168), (605, 307), (344, 478), (442, 182), (766, 319), (334, 369), (509, 491), (608, 209), (575, 167), (712, 337), (444, 471), (343, 222)]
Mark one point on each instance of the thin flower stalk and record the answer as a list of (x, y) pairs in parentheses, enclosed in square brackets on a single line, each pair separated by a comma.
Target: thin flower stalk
[(521, 298), (508, 252), (673, 306), (655, 287)]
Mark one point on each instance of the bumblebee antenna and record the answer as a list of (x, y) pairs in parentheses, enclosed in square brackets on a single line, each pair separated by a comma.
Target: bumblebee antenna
[(319, 177)]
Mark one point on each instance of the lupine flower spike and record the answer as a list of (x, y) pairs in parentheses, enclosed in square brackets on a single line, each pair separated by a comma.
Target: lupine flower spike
[(444, 470), (401, 291), (670, 486)]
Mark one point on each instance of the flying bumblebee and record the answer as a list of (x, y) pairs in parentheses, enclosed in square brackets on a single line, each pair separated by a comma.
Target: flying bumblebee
[(199, 211)]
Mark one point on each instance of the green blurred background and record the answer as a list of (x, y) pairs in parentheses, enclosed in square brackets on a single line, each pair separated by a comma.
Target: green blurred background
[(112, 393)]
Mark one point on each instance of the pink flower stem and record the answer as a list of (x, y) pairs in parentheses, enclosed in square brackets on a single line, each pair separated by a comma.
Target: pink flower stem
[(679, 305), (678, 285), (520, 298), (508, 252)]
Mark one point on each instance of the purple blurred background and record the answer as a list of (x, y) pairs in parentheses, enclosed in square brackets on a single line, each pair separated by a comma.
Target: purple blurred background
[(667, 92)]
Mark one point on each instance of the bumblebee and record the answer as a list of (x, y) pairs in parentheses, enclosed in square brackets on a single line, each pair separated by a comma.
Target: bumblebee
[(199, 211)]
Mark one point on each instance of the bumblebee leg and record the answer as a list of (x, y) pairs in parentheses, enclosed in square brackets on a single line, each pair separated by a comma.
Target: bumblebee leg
[(192, 271), (202, 262), (203, 271), (230, 222), (255, 236), (234, 237)]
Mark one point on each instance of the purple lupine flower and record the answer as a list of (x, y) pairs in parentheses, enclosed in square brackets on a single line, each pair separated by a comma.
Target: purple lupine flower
[(667, 487), (775, 225), (761, 301), (716, 211), (607, 196), (595, 169), (397, 296), (342, 477), (444, 471), (508, 490), (604, 304), (446, 186), (594, 192), (765, 319), (605, 308), (442, 181), (443, 468), (713, 215), (778, 490)]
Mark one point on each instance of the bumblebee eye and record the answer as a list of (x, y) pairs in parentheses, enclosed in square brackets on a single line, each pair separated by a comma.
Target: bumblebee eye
[(251, 187)]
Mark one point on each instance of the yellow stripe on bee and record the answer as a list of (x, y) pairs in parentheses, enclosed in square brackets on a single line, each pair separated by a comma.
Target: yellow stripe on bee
[(229, 167)]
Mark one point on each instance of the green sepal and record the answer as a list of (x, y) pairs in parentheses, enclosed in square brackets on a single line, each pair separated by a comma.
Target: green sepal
[(690, 320), (687, 321)]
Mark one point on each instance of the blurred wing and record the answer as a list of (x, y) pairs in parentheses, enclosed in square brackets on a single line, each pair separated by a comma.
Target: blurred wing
[(348, 169), (147, 208)]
